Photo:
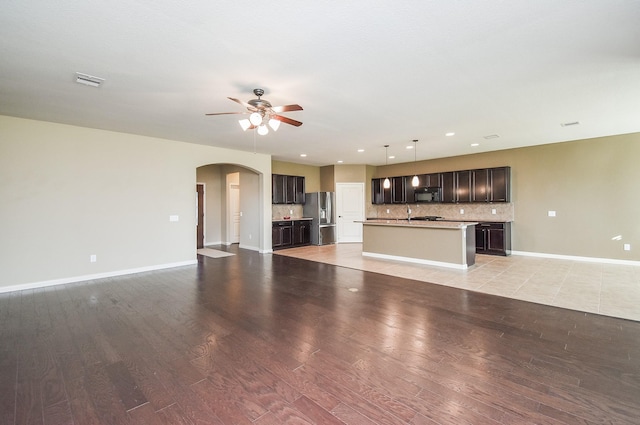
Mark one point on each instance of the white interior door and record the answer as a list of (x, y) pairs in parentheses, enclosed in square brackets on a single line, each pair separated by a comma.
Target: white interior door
[(350, 210), (234, 213)]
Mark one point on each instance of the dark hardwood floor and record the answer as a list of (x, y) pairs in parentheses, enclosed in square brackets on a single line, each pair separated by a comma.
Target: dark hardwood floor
[(262, 339)]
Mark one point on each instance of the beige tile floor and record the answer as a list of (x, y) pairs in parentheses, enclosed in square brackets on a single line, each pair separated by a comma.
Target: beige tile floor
[(611, 290)]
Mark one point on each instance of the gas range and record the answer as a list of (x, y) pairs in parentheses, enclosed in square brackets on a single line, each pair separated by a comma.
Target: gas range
[(428, 218)]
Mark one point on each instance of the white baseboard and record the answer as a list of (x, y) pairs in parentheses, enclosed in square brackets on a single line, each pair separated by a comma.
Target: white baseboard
[(416, 260), (577, 258), (45, 283), (249, 247)]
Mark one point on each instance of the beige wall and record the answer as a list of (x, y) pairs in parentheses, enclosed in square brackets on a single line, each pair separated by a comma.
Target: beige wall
[(591, 184), (310, 173), (69, 192), (327, 178), (214, 200)]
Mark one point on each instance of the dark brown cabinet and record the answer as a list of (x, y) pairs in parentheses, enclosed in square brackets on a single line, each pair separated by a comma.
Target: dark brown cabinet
[(290, 233), (491, 184), (493, 238), (301, 232), (281, 234), (433, 180), (398, 194), (481, 185), (462, 186), (499, 182), (448, 187), (379, 195), (287, 189)]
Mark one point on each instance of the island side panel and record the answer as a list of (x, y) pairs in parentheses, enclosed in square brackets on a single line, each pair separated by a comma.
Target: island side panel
[(445, 245)]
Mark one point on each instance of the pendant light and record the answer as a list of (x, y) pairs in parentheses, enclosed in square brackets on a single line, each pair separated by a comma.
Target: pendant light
[(387, 182), (415, 181)]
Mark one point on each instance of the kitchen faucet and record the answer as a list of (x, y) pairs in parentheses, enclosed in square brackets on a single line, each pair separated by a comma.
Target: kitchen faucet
[(408, 212)]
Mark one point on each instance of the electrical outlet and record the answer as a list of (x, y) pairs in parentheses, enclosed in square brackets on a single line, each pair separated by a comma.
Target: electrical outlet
[(291, 212), (250, 235), (174, 218), (627, 247), (93, 258), (387, 210), (461, 211), (493, 211)]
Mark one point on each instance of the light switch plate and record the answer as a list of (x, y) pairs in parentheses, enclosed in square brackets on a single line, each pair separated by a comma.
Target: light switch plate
[(627, 247), (551, 213), (174, 218)]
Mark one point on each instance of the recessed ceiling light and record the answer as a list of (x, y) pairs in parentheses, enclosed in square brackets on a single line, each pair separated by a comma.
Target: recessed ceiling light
[(450, 134), (304, 155), (491, 136), (392, 157), (475, 144), (360, 150), (567, 124), (88, 80), (340, 161), (409, 147)]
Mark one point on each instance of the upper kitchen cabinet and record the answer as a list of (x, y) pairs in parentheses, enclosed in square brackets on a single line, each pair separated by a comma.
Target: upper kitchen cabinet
[(499, 184), (398, 193), (433, 180), (380, 195), (480, 185), (449, 188), (287, 189), (463, 186)]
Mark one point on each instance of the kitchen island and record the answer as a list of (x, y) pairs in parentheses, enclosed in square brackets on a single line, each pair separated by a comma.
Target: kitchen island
[(437, 243)]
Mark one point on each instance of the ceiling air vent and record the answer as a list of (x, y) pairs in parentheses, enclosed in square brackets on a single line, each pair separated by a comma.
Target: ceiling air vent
[(88, 80), (491, 136), (567, 124)]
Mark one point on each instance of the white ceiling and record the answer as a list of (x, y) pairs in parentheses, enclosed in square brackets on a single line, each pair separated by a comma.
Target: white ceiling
[(367, 73)]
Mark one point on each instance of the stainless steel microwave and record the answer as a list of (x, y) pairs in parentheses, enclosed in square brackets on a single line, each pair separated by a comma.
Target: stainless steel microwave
[(426, 194)]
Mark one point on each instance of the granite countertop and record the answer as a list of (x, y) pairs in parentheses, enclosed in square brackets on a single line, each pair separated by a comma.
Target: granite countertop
[(468, 220), (439, 224), (292, 219)]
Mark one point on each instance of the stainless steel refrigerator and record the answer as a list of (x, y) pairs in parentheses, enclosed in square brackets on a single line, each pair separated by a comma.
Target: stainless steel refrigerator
[(320, 206)]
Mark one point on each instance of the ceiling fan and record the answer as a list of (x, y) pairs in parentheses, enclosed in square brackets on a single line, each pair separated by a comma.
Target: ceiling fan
[(262, 113)]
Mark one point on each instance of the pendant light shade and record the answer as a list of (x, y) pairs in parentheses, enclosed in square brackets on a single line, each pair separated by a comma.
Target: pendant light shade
[(387, 183), (245, 124), (274, 124), (415, 181), (263, 130), (255, 118)]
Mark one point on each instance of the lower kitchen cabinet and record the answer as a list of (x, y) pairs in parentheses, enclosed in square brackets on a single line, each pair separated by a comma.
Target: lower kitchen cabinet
[(290, 233), (493, 238), (301, 232)]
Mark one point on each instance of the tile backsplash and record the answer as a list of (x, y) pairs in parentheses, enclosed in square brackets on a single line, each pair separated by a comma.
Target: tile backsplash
[(279, 211), (471, 212)]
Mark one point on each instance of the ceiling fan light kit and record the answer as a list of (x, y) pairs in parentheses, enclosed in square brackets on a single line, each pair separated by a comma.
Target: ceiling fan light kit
[(263, 115)]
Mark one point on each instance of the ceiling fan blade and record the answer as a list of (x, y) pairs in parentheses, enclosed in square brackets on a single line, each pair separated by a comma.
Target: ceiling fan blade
[(287, 108), (227, 113), (246, 105), (286, 120)]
